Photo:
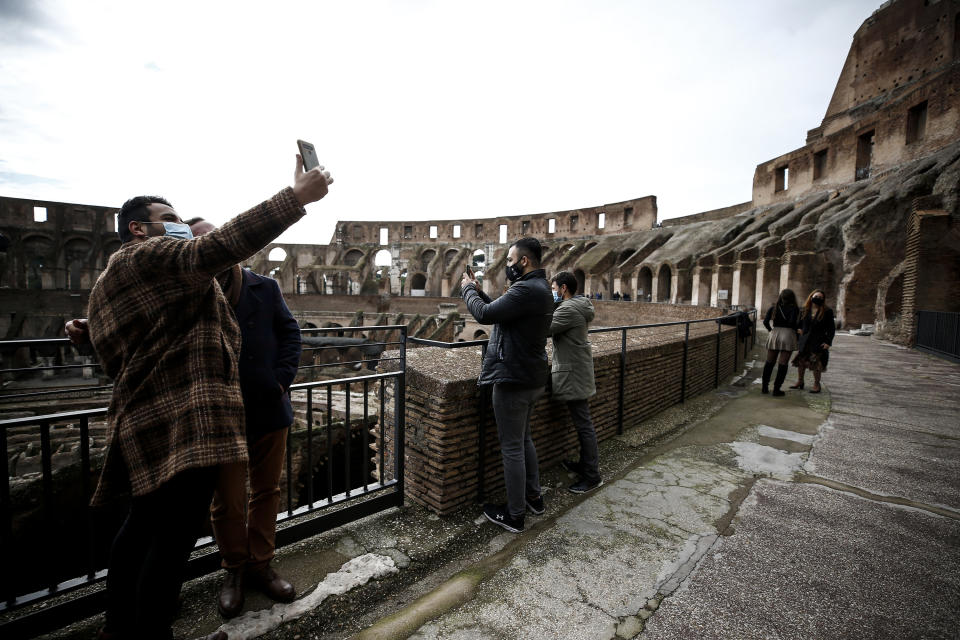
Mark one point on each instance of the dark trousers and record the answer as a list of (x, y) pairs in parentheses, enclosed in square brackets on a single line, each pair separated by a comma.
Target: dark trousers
[(245, 526), (149, 555), (589, 456), (521, 471)]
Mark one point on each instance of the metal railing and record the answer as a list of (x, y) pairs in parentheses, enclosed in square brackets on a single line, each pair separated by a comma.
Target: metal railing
[(484, 391), (341, 500), (938, 332), (346, 491)]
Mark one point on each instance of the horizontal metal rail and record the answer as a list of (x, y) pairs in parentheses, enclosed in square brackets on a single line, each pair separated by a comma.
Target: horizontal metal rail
[(347, 494)]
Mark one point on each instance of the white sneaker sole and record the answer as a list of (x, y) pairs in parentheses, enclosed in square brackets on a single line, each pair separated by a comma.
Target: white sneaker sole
[(593, 488), (500, 523)]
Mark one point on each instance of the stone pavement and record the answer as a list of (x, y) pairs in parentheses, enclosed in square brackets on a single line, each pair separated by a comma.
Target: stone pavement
[(770, 519), (835, 515)]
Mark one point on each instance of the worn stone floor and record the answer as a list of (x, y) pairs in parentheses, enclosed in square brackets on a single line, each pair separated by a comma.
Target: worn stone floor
[(832, 515)]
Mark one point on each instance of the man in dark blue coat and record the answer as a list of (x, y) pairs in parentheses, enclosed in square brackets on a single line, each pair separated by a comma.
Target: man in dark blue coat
[(245, 526), (516, 365)]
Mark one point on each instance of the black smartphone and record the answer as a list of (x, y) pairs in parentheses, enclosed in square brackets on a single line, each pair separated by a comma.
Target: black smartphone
[(470, 273), (309, 154)]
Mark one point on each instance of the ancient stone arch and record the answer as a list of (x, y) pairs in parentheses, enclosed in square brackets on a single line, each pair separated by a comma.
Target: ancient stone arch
[(76, 264), (664, 284), (644, 284), (352, 257), (581, 281), (418, 282)]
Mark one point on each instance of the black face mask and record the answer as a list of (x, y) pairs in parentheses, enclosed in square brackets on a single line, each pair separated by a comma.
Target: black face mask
[(514, 271), (817, 301)]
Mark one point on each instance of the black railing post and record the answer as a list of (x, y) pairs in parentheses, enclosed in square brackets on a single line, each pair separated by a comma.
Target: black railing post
[(683, 374), (382, 447), (329, 430), (400, 418), (309, 445), (289, 472), (716, 369), (623, 371), (6, 518), (482, 434), (46, 461), (365, 433), (347, 436), (85, 487)]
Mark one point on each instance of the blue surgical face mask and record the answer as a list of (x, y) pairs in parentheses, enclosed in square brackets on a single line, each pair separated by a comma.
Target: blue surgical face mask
[(178, 230), (175, 229)]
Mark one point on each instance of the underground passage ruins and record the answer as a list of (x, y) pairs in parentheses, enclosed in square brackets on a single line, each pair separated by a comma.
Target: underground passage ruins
[(867, 209)]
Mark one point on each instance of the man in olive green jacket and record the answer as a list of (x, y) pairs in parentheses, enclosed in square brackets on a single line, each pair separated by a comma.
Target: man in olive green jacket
[(572, 374)]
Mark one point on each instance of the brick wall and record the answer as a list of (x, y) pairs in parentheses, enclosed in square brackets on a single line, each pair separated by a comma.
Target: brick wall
[(443, 408)]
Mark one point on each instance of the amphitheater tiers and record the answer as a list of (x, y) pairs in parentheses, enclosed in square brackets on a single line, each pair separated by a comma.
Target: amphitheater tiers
[(867, 210)]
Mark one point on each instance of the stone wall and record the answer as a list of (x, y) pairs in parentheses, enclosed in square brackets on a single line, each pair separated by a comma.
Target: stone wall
[(443, 406), (896, 100)]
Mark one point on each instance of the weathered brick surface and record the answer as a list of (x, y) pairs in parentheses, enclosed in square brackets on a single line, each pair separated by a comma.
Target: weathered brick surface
[(443, 407)]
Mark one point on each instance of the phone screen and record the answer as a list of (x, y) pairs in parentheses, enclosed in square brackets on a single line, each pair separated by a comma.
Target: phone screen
[(309, 155)]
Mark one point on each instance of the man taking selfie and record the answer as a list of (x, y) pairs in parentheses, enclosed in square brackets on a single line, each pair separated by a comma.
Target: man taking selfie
[(165, 333)]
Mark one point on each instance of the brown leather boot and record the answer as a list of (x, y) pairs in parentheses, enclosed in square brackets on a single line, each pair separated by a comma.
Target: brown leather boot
[(230, 601), (269, 581)]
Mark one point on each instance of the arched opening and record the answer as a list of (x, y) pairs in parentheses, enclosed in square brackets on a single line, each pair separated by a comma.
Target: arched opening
[(76, 253), (581, 280), (589, 246), (383, 258), (664, 281), (479, 334), (479, 259), (426, 257), (277, 254), (352, 257), (645, 285), (418, 285), (449, 257)]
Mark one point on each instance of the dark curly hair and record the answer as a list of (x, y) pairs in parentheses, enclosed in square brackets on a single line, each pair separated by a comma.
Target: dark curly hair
[(136, 209)]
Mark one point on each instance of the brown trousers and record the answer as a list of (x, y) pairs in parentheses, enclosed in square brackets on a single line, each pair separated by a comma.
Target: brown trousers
[(246, 530)]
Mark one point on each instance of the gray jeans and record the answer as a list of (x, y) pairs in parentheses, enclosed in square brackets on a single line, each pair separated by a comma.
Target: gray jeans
[(521, 473), (589, 457)]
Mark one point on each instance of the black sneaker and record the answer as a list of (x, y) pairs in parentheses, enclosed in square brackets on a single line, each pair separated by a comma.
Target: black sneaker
[(535, 505), (497, 514), (583, 486), (572, 466)]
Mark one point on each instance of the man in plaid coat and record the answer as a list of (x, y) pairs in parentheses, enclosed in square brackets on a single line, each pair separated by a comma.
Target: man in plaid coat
[(167, 336)]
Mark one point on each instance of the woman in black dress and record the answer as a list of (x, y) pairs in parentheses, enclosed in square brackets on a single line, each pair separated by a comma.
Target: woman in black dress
[(785, 319), (817, 329)]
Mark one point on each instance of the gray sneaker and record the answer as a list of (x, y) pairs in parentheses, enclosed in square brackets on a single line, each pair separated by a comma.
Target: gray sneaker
[(535, 505), (584, 486)]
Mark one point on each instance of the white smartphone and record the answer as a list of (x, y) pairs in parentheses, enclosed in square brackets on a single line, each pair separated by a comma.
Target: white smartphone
[(309, 154)]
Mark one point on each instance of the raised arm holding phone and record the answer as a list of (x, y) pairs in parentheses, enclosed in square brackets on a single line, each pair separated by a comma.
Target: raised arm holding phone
[(165, 333)]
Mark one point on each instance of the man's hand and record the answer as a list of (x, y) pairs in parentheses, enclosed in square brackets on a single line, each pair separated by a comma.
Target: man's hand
[(467, 280), (825, 346), (310, 186), (78, 331)]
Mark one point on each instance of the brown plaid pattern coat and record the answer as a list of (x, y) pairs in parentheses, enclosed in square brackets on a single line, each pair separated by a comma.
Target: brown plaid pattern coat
[(167, 336)]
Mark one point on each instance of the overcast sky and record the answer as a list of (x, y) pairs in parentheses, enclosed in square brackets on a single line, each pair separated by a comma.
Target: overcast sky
[(422, 110)]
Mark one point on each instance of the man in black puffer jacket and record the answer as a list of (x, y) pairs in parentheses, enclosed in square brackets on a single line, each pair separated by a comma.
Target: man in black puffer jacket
[(516, 365)]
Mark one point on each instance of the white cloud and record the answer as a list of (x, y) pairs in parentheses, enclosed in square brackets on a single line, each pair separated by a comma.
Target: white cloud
[(421, 109)]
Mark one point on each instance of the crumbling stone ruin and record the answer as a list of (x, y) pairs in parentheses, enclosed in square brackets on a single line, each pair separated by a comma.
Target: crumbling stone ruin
[(866, 210)]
